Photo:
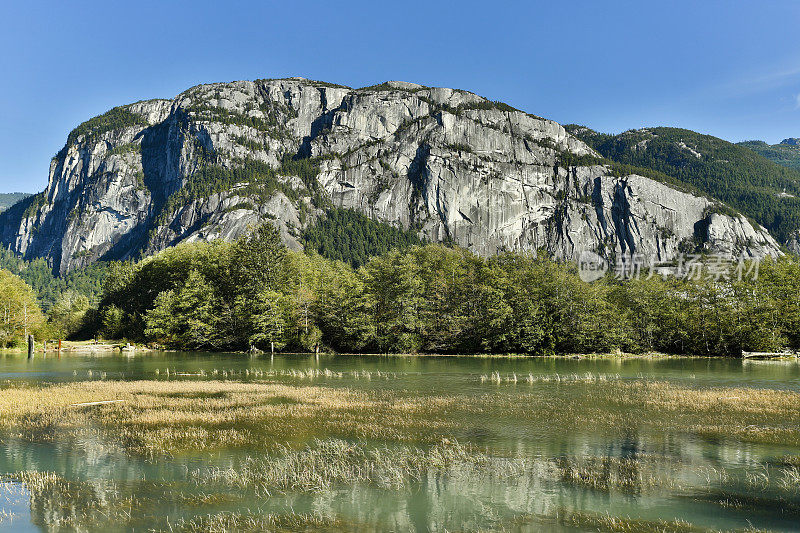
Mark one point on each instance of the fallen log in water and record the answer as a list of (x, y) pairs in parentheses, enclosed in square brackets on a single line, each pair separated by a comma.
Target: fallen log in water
[(87, 404)]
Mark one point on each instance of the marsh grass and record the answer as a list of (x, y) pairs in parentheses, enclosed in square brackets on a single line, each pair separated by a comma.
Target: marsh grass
[(616, 524), (325, 464), (599, 522), (160, 416), (57, 504), (588, 377), (308, 437), (336, 465), (257, 374), (257, 523), (751, 503), (7, 516), (632, 475)]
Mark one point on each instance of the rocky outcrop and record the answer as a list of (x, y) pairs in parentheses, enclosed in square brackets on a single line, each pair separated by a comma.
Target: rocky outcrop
[(454, 166)]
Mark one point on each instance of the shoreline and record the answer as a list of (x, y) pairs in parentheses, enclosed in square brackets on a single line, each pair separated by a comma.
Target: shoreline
[(83, 347)]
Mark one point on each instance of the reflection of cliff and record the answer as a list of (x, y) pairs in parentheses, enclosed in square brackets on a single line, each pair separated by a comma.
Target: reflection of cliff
[(60, 505), (480, 492), (81, 454)]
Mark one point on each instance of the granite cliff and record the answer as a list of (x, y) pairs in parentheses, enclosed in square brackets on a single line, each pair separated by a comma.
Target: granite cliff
[(447, 163)]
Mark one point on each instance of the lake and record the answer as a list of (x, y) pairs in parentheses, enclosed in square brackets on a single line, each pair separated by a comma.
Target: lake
[(199, 441)]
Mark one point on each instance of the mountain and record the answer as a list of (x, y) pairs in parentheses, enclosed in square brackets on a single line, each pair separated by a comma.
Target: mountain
[(7, 199), (759, 188), (447, 164), (787, 153)]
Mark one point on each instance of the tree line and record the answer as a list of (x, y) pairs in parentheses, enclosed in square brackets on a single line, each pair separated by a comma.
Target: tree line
[(349, 236), (33, 300), (428, 298), (436, 299), (72, 315)]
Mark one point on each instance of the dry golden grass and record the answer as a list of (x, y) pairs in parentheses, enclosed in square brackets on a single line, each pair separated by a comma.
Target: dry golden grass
[(417, 434), (246, 522), (173, 416), (615, 524), (163, 416)]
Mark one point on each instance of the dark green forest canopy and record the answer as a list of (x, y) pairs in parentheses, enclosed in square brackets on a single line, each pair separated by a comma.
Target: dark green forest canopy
[(113, 119), (784, 154), (87, 281), (346, 235), (734, 174), (437, 299)]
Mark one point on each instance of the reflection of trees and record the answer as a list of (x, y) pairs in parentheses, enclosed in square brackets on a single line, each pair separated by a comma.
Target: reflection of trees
[(586, 476)]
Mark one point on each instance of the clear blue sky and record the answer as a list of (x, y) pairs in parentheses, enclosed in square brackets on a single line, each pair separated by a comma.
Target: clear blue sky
[(727, 68)]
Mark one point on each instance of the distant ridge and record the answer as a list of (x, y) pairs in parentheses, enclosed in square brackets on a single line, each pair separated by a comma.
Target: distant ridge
[(7, 199)]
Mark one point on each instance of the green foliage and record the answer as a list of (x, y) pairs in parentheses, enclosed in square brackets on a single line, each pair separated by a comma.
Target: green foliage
[(114, 119), (251, 177), (441, 300), (488, 105), (787, 155), (69, 316), (186, 318), (458, 148), (134, 287), (734, 174), (385, 86), (259, 262), (346, 235), (19, 312), (224, 116), (271, 123), (32, 204), (267, 320), (196, 295), (38, 273), (482, 105), (251, 144), (128, 148)]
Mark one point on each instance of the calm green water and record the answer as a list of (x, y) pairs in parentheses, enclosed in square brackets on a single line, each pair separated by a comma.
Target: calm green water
[(721, 484)]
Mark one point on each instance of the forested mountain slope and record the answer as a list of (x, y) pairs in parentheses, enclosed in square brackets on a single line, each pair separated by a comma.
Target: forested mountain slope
[(786, 153), (7, 199), (745, 180), (446, 164)]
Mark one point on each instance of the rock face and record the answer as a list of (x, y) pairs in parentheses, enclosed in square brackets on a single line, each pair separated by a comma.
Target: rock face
[(450, 164)]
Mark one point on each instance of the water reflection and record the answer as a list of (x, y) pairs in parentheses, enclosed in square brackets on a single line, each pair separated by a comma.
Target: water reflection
[(636, 472)]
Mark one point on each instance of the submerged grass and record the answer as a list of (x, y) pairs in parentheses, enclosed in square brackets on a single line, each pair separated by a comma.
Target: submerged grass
[(615, 524), (318, 432), (325, 464), (256, 523)]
